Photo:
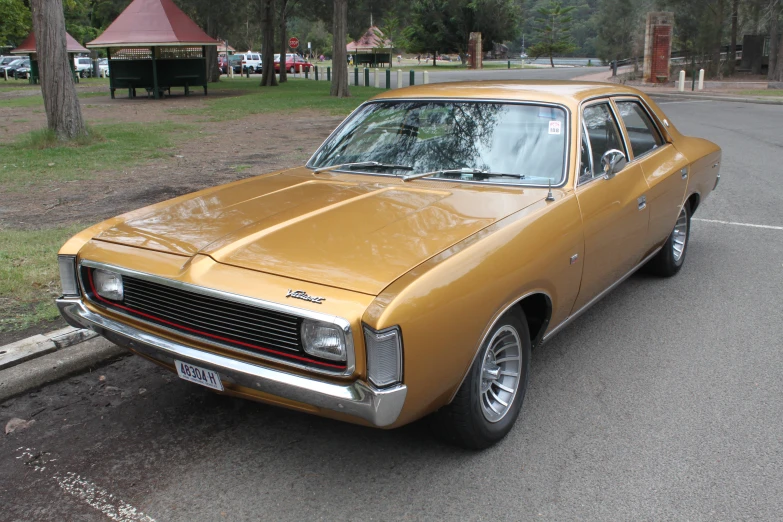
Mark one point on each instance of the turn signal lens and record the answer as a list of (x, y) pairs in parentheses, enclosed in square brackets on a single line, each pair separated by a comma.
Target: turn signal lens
[(68, 275), (323, 340), (108, 284), (384, 355)]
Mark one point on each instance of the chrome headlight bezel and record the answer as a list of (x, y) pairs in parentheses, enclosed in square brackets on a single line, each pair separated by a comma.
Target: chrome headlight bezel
[(108, 284), (384, 351), (69, 281)]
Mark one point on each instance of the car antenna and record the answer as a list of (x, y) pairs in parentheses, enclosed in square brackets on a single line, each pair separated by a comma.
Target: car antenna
[(550, 196)]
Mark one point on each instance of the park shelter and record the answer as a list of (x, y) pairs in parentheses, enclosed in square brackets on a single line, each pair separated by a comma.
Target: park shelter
[(153, 45), (371, 49), (28, 47)]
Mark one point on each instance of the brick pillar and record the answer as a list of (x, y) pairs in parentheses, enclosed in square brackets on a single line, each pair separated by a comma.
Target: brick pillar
[(476, 60), (658, 46)]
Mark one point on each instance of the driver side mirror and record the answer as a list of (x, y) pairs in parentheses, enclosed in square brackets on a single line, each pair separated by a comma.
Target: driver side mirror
[(612, 162)]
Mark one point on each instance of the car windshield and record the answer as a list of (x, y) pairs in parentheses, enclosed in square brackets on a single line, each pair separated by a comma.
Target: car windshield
[(474, 141), (236, 58)]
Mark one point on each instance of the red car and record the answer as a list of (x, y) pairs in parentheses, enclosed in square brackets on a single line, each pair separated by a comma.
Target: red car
[(293, 63)]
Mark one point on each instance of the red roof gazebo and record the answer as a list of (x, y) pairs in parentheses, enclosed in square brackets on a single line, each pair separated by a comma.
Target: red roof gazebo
[(371, 49), (28, 47), (156, 46)]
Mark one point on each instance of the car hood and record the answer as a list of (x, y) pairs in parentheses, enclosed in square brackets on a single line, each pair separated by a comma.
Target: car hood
[(354, 232)]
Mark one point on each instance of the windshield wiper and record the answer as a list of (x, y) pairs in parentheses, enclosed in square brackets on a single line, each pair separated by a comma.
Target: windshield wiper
[(375, 164), (461, 171)]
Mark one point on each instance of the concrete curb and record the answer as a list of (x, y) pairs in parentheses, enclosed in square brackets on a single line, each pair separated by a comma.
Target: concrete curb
[(58, 365), (39, 345)]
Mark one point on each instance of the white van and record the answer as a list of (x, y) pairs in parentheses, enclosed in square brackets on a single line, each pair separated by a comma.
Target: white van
[(251, 60), (83, 65)]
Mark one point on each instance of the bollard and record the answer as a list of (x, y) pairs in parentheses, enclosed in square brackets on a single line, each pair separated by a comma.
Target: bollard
[(413, 78), (399, 78), (377, 79), (366, 77), (509, 64), (307, 72), (328, 74), (681, 83), (426, 77), (388, 78), (701, 79), (356, 76), (315, 73), (247, 72)]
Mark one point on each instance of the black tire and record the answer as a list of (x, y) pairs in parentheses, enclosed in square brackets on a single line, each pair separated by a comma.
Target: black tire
[(462, 422), (664, 264)]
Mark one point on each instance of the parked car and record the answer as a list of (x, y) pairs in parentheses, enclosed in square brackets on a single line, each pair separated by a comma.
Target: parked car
[(249, 61), (22, 72), (83, 66), (14, 65), (293, 63), (103, 67), (6, 60), (435, 238)]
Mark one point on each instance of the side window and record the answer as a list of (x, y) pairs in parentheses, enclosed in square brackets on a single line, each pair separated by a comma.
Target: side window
[(602, 133), (642, 132)]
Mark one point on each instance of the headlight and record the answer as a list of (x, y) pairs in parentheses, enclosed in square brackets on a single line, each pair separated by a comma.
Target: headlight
[(68, 275), (323, 340), (384, 355), (107, 284)]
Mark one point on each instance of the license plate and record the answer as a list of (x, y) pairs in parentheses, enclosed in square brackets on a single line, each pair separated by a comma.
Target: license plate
[(199, 375)]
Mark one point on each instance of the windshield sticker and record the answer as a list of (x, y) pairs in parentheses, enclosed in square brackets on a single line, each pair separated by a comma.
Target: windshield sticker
[(554, 127)]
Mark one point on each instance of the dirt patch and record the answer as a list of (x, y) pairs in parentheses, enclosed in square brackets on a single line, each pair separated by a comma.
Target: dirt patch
[(222, 152)]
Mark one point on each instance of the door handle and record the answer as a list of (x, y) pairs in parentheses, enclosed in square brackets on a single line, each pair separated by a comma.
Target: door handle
[(642, 201), (684, 172)]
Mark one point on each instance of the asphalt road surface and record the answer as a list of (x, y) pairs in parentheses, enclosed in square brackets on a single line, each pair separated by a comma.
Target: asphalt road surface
[(663, 402)]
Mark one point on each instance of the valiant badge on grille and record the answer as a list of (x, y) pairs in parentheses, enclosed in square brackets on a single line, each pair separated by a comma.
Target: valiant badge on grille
[(301, 294)]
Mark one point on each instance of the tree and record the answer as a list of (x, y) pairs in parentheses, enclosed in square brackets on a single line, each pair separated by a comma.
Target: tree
[(554, 24), (283, 40), (63, 112), (339, 54), (268, 78), (445, 25), (617, 22), (14, 23)]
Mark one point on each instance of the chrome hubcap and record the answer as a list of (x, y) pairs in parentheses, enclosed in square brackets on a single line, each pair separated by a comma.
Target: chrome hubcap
[(500, 370), (680, 236)]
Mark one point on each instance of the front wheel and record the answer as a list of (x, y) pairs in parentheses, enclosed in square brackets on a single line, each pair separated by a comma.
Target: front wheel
[(291, 70), (489, 401), (671, 257)]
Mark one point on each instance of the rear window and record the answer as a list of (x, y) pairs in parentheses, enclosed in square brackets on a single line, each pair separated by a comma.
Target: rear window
[(84, 61)]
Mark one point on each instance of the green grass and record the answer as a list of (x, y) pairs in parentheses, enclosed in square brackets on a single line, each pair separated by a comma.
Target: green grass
[(35, 157), (295, 94), (763, 92), (29, 277)]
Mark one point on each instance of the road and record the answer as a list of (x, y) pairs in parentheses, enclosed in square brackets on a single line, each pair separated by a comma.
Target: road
[(663, 402)]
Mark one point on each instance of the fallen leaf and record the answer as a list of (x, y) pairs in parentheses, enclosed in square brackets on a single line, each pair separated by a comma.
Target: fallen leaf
[(17, 424)]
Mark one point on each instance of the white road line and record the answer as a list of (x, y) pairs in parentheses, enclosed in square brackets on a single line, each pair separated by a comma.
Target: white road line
[(686, 101), (772, 227), (97, 497)]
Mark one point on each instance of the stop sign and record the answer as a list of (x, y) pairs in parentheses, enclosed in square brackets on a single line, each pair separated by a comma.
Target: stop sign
[(293, 42)]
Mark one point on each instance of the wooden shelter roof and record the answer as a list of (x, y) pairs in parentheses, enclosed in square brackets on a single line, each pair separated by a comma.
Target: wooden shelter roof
[(28, 46), (147, 23)]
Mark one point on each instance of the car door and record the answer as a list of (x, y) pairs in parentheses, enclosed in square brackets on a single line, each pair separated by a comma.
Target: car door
[(614, 212), (665, 169)]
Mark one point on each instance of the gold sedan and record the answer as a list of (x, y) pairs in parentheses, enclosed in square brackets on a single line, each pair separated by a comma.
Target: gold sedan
[(436, 237)]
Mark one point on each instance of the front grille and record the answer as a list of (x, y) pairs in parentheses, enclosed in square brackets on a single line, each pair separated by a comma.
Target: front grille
[(244, 327)]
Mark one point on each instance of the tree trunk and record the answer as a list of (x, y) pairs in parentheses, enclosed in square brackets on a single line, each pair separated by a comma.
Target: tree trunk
[(213, 72), (268, 78), (551, 61), (773, 40), (732, 55), (63, 112), (339, 53), (777, 76), (715, 65), (284, 42)]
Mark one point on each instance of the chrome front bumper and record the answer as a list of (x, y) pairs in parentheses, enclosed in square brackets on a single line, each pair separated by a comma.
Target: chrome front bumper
[(381, 407)]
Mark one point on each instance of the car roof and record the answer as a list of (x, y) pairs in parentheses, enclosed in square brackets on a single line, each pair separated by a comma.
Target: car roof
[(569, 93)]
